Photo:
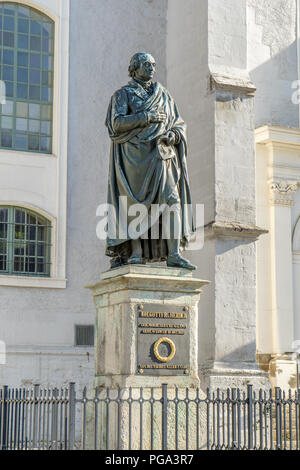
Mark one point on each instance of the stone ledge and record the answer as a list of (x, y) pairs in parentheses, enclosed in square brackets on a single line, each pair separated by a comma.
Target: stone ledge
[(148, 278), (221, 81), (234, 230)]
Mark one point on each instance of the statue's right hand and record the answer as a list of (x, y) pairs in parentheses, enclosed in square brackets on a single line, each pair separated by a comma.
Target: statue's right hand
[(157, 116)]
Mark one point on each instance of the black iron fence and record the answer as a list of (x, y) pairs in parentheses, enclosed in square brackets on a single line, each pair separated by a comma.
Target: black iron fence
[(163, 418)]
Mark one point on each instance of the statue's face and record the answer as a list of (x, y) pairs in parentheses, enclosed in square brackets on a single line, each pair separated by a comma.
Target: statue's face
[(146, 69)]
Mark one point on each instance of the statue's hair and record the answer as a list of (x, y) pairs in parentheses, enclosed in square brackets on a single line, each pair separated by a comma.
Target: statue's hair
[(135, 63)]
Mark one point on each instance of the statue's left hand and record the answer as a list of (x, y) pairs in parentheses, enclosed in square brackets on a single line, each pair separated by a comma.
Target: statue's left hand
[(169, 138)]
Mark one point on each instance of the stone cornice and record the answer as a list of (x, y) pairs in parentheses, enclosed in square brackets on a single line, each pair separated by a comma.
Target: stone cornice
[(234, 230), (276, 136), (148, 278), (222, 81)]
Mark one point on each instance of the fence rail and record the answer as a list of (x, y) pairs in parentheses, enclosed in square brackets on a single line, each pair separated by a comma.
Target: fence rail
[(150, 419)]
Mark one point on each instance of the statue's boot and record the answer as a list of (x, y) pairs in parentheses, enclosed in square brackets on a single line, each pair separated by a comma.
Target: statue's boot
[(135, 260), (174, 259), (136, 257)]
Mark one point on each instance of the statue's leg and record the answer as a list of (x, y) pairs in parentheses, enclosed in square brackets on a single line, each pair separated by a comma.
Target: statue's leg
[(175, 260), (136, 255)]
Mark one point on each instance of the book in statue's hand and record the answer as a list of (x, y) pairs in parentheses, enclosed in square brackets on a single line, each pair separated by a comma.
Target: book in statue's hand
[(165, 151)]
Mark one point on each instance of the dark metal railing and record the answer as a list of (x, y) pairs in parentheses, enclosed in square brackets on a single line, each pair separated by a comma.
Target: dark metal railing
[(165, 418)]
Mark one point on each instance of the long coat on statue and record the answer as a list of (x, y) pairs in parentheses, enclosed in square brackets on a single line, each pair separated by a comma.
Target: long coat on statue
[(138, 171)]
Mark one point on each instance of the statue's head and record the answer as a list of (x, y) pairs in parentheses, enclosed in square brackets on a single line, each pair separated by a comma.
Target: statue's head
[(142, 66)]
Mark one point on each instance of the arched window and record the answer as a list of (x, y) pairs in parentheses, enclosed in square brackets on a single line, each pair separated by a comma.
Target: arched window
[(25, 240), (27, 50)]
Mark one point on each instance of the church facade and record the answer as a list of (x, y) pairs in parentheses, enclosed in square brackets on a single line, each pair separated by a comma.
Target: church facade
[(233, 69)]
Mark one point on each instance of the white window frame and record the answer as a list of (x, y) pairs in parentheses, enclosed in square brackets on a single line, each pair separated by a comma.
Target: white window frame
[(59, 12)]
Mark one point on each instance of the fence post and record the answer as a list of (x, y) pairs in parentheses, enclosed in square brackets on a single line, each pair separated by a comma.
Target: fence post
[(4, 418), (234, 406), (35, 415), (165, 417), (278, 417), (72, 409), (250, 416)]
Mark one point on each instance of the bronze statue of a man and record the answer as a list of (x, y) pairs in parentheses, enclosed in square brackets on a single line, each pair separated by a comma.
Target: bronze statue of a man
[(148, 167)]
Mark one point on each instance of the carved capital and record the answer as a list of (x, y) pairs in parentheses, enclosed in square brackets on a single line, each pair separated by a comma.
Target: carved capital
[(282, 192)]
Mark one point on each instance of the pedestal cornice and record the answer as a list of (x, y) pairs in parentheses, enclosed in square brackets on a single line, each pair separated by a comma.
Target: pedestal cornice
[(148, 278)]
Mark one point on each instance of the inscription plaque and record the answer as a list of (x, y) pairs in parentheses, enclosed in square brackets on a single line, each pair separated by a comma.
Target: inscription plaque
[(163, 342)]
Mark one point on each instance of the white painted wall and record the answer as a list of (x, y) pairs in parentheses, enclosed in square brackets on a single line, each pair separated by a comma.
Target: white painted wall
[(38, 324)]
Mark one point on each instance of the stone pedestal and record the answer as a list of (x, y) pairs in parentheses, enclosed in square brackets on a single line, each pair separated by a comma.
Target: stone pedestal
[(146, 336), (145, 315)]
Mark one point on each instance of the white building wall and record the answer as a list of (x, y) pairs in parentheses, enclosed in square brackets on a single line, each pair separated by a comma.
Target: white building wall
[(37, 324)]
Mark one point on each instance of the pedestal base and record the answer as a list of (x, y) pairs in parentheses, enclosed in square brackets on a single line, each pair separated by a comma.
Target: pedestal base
[(146, 336)]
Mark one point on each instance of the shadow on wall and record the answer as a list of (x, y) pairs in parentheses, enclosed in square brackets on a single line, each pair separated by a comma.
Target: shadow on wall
[(246, 353), (273, 98)]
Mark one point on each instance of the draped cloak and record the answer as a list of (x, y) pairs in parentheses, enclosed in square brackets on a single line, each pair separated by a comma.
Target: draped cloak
[(137, 171)]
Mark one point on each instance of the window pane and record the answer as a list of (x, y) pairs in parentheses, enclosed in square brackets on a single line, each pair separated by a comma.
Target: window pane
[(45, 127), (46, 112), (8, 57), (8, 73), (23, 59), (23, 75), (35, 77), (31, 232), (34, 92), (3, 215), (8, 23), (35, 43), (23, 42), (18, 264), (47, 62), (41, 266), (34, 111), (47, 30), (19, 235), (46, 94), (31, 219), (41, 249), (7, 108), (22, 91), (19, 216), (23, 26), (21, 142), (22, 109), (6, 139), (3, 231), (33, 142), (45, 144), (3, 264), (30, 266), (24, 12), (6, 122), (3, 246), (35, 28), (31, 249), (34, 126), (9, 88), (21, 124), (35, 60), (8, 39)]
